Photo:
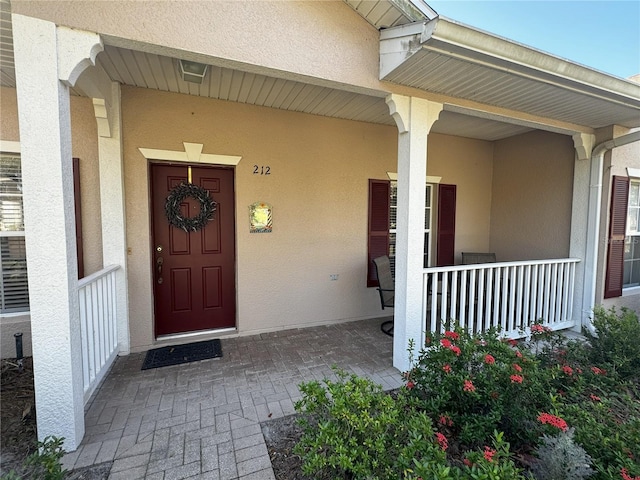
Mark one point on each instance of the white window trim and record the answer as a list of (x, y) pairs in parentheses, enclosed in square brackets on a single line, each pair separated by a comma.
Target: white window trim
[(634, 177), (10, 146)]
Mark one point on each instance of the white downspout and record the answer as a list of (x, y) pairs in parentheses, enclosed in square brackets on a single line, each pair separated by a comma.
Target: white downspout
[(593, 224)]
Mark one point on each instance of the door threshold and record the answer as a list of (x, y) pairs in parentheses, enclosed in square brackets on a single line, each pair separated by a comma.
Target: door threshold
[(199, 333)]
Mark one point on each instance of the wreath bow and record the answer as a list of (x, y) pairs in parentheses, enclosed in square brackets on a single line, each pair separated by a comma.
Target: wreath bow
[(175, 199)]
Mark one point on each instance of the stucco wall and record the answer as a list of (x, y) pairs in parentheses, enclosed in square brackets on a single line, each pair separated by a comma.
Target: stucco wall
[(532, 196), (318, 188), (304, 38), (85, 147), (468, 164)]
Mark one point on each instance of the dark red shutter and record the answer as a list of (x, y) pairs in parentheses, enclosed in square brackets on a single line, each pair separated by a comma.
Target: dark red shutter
[(378, 234), (78, 210), (446, 232), (617, 229)]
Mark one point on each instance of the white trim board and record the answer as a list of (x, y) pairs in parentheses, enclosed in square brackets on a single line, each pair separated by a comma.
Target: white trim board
[(8, 146), (192, 153)]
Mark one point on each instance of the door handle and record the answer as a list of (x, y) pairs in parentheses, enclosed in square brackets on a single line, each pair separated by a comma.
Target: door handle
[(159, 263)]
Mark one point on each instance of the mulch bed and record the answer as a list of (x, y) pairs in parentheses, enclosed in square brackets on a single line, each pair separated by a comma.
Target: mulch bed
[(18, 433)]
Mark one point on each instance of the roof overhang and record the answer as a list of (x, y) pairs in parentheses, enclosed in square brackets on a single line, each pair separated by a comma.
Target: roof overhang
[(445, 57)]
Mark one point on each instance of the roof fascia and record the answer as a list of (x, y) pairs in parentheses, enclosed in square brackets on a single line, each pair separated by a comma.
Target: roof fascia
[(414, 10), (473, 45)]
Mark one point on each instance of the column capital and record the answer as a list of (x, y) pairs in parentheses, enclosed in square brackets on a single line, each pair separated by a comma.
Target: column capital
[(413, 112), (584, 143)]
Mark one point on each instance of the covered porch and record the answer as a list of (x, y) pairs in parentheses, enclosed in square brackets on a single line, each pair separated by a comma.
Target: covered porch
[(251, 115)]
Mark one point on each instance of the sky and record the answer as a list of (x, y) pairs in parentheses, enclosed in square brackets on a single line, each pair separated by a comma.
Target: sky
[(604, 35)]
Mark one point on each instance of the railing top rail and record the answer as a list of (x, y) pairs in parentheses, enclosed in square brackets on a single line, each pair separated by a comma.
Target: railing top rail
[(95, 276), (486, 266)]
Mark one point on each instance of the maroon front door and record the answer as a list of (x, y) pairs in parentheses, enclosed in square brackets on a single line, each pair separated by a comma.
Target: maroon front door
[(193, 272)]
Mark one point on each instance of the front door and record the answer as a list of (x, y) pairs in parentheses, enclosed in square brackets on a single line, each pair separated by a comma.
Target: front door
[(193, 271)]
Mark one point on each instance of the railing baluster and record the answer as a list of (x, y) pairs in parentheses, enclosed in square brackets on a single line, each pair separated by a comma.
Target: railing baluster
[(98, 320), (506, 295)]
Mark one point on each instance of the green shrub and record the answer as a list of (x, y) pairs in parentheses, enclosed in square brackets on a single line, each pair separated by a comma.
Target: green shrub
[(616, 342), (42, 464), (481, 384), (352, 429)]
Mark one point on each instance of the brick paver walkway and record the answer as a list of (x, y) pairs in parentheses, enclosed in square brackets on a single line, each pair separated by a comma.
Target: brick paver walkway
[(202, 420)]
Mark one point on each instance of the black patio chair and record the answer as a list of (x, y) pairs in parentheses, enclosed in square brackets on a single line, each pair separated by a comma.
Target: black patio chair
[(386, 289)]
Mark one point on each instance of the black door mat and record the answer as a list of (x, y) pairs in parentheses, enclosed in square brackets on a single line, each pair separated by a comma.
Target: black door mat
[(177, 354)]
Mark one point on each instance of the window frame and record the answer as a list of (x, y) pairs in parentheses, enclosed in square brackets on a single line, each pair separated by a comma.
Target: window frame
[(13, 149), (632, 237)]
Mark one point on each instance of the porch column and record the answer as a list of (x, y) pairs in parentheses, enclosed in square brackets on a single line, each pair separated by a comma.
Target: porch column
[(48, 59), (414, 118), (114, 242), (580, 226)]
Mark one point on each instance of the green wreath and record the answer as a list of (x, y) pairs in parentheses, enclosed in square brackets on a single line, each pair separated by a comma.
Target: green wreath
[(175, 199)]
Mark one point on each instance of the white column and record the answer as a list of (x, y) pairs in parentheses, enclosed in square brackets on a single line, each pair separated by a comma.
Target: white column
[(578, 248), (45, 55), (414, 118), (114, 242)]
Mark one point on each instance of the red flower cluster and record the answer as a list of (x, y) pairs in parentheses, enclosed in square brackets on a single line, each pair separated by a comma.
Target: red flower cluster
[(445, 420), (518, 354), (446, 343), (489, 360), (537, 329), (595, 398), (517, 367), (598, 371), (512, 342), (567, 370), (468, 386), (516, 378), (488, 454), (625, 475), (442, 440), (410, 385), (547, 418), (452, 335), (447, 368)]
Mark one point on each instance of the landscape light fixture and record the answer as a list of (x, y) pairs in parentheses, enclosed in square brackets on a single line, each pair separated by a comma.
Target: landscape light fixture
[(192, 72)]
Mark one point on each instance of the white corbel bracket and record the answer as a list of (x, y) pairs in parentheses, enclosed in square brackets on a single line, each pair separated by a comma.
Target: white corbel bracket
[(77, 50), (584, 143), (412, 112)]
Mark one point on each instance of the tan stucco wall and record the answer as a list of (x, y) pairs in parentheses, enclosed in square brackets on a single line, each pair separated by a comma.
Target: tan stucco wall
[(301, 38), (9, 115), (85, 147), (468, 164), (318, 189), (532, 196)]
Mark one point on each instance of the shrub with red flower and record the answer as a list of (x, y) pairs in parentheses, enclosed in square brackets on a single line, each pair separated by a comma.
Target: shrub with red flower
[(452, 335), (489, 359), (455, 350), (517, 367), (442, 440), (446, 343), (516, 378), (489, 453), (445, 420), (548, 419), (468, 386), (567, 370), (625, 475), (447, 368)]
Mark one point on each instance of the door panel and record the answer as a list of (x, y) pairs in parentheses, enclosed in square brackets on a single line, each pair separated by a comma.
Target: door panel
[(194, 272)]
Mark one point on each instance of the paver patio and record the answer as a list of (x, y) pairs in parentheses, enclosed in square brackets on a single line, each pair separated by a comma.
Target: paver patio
[(202, 420)]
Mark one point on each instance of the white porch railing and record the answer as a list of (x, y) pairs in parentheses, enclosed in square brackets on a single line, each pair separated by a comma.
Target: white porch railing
[(509, 296), (98, 323)]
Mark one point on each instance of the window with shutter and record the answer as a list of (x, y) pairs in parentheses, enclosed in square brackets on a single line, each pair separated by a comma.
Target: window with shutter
[(631, 270), (14, 291), (383, 206), (617, 231), (446, 225)]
